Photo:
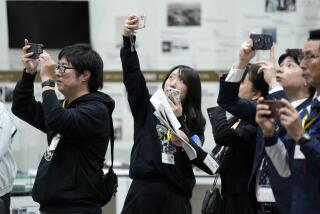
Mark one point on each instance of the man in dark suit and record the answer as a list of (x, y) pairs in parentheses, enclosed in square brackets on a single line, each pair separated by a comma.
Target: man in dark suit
[(245, 109), (301, 154)]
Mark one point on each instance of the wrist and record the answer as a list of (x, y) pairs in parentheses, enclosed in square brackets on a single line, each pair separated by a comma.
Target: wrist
[(126, 33), (297, 135), (48, 83), (240, 64), (46, 78), (268, 133), (32, 72), (303, 139)]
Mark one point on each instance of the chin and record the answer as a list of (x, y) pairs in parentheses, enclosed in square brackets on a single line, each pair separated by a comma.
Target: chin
[(60, 88)]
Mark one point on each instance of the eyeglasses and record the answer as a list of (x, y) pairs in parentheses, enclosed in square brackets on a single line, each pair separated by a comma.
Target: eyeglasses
[(62, 68), (309, 56)]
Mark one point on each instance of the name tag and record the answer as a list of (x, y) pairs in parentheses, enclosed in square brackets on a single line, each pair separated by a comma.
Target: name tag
[(264, 194), (211, 163), (298, 154), (167, 158)]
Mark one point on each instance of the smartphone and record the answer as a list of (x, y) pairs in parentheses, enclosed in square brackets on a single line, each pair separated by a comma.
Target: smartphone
[(274, 106), (261, 41), (37, 49), (173, 94), (141, 21)]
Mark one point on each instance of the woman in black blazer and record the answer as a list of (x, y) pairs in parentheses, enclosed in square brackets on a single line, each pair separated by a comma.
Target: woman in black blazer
[(239, 139)]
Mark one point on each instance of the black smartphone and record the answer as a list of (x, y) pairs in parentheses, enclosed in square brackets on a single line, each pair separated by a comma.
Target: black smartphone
[(37, 49), (261, 41)]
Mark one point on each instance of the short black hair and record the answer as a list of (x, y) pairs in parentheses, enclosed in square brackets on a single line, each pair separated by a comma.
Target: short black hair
[(314, 35), (258, 82), (83, 57), (296, 54)]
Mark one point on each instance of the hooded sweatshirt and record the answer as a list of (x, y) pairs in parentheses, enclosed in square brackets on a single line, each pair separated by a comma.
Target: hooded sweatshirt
[(72, 180)]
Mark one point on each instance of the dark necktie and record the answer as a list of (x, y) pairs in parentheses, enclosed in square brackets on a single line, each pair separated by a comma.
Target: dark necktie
[(263, 174)]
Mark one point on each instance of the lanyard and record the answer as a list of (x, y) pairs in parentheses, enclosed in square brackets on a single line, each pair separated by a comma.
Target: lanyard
[(310, 122), (65, 103)]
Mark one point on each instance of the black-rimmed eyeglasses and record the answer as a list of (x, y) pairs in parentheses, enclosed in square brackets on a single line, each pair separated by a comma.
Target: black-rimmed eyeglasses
[(62, 68), (309, 56)]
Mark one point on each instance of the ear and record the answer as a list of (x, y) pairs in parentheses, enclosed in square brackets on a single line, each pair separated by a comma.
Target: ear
[(85, 76), (256, 95)]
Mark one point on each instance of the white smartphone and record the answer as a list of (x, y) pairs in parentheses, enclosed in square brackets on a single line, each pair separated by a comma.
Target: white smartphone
[(141, 21), (173, 93)]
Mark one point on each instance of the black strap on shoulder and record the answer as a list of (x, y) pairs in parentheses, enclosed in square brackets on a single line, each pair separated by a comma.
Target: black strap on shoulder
[(111, 141)]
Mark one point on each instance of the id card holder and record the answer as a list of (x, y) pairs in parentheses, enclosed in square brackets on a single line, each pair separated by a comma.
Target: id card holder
[(264, 194), (167, 158)]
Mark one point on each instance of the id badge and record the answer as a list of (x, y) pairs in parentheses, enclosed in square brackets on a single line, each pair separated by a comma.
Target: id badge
[(264, 194), (167, 158)]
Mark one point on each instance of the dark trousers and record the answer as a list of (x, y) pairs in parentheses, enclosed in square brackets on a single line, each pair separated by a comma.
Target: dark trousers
[(6, 201), (154, 197)]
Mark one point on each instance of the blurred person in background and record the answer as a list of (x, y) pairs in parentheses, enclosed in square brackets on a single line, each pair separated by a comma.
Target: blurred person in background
[(8, 168)]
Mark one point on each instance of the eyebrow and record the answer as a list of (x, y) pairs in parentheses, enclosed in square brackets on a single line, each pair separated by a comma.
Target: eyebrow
[(308, 52)]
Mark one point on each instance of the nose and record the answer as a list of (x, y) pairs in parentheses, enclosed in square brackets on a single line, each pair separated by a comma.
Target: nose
[(173, 83), (303, 64), (58, 73), (280, 70)]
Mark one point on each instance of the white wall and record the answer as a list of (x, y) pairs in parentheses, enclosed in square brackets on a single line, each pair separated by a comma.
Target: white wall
[(212, 45)]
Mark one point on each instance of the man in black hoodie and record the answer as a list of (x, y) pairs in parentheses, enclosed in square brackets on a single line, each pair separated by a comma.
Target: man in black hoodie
[(70, 176)]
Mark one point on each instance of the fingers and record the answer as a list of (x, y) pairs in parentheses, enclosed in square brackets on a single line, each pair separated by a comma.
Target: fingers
[(26, 42), (131, 23), (246, 46), (286, 103), (262, 109), (25, 49), (171, 103), (272, 55)]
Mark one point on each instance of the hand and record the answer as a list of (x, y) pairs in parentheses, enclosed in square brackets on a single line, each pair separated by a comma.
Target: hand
[(130, 25), (176, 141), (268, 68), (47, 67), (29, 63), (263, 118), (176, 106), (245, 55), (290, 120)]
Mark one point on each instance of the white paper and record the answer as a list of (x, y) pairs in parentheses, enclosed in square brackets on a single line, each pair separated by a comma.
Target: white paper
[(166, 116)]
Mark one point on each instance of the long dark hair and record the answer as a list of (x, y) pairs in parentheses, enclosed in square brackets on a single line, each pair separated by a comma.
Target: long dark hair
[(192, 104)]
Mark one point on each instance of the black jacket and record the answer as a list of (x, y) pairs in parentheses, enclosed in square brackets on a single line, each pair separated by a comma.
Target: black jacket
[(246, 109), (72, 180), (146, 162), (237, 163)]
